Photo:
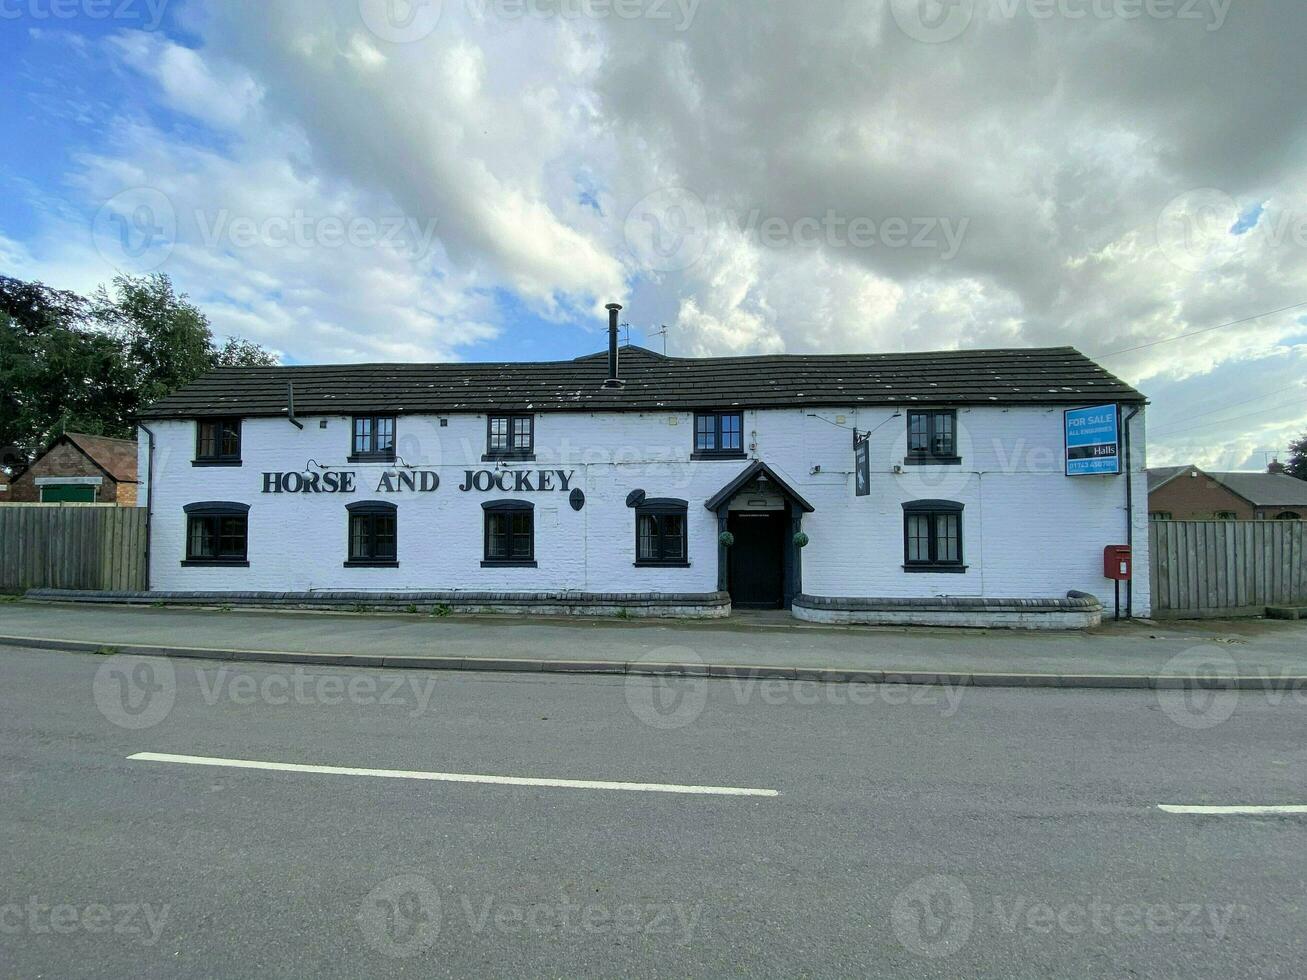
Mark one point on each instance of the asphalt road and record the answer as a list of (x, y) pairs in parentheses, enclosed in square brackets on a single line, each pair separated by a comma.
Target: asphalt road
[(916, 832)]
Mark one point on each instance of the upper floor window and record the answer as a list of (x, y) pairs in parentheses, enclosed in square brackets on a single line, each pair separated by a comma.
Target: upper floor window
[(660, 537), (373, 534), (718, 434), (509, 533), (932, 436), (510, 436), (217, 442), (932, 536), (217, 533), (374, 438)]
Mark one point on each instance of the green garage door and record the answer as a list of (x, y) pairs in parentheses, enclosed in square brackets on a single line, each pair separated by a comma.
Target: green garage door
[(67, 493)]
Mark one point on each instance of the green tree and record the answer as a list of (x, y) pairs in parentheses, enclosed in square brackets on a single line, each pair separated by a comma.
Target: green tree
[(69, 363), (1297, 465), (56, 372)]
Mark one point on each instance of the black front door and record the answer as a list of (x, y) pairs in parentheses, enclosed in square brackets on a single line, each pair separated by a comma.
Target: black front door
[(757, 559)]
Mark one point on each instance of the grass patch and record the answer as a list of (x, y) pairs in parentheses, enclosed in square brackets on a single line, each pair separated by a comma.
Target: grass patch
[(442, 611), (108, 651)]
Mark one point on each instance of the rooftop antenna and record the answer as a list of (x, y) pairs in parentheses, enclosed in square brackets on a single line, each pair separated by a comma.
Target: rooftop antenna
[(627, 328), (662, 333)]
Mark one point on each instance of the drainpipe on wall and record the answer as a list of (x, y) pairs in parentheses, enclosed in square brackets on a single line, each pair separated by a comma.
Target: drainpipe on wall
[(149, 500), (1129, 516)]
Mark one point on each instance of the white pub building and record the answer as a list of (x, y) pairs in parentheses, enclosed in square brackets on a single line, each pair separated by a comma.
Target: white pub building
[(958, 487)]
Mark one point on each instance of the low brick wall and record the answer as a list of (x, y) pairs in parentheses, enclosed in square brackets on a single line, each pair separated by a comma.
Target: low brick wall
[(706, 605), (1077, 611)]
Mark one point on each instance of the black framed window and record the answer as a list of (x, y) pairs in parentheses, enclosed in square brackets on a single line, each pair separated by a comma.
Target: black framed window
[(718, 434), (1288, 515), (509, 533), (217, 442), (510, 436), (1159, 515), (374, 438), (217, 533), (933, 436), (932, 536), (660, 532), (373, 535)]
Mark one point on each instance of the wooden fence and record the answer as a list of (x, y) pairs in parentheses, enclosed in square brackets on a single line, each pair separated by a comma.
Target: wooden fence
[(71, 547), (1226, 568)]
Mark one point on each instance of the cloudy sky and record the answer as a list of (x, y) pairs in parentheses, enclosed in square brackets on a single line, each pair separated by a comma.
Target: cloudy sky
[(351, 180)]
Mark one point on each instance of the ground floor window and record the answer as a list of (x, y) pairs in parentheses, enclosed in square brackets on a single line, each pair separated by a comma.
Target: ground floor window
[(509, 533), (660, 535), (1288, 515), (932, 536), (373, 534), (1159, 515), (217, 533)]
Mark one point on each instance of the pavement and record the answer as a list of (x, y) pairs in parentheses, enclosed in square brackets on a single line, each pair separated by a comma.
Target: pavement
[(1138, 654), (913, 832)]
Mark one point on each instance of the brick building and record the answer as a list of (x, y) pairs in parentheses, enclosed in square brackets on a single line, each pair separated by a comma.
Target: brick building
[(78, 468), (1186, 493)]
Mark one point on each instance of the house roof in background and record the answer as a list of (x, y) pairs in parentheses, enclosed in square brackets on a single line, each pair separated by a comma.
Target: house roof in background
[(117, 457), (1159, 475), (1027, 376), (1265, 489)]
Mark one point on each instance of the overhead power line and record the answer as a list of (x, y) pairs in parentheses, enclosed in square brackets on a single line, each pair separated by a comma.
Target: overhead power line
[(1195, 333)]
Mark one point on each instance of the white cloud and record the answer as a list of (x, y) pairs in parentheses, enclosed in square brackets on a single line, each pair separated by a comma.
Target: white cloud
[(1072, 158)]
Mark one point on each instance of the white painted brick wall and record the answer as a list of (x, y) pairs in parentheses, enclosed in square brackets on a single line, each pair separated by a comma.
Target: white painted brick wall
[(1028, 530)]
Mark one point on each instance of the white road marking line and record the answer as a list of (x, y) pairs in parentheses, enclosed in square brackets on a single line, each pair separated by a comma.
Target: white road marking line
[(1175, 808), (451, 777)]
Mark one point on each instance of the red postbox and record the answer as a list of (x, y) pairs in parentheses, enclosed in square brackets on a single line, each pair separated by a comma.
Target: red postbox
[(1116, 562)]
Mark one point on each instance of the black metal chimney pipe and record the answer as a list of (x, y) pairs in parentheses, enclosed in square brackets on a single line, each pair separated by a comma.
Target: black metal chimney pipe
[(614, 381)]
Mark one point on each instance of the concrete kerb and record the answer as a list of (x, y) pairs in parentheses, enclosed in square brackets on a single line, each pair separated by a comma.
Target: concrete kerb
[(831, 675)]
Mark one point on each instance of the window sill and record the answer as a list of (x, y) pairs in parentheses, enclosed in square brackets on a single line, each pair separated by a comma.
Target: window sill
[(936, 569), (369, 459), (216, 462), (215, 563), (508, 564), (718, 454), (371, 564), (932, 460), (662, 564), (508, 458)]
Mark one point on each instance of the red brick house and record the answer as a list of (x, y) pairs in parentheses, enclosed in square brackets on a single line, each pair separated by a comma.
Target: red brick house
[(1186, 493), (77, 468)]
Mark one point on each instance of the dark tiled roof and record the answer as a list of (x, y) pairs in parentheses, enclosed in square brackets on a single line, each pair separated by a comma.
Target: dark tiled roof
[(1039, 376), (1266, 489), (117, 457)]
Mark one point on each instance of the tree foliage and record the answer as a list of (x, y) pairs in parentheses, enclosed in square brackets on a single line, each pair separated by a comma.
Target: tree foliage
[(1297, 465), (67, 362)]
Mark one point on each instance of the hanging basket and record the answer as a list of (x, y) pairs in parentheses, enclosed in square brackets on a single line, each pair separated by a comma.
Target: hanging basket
[(726, 539), (800, 540)]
